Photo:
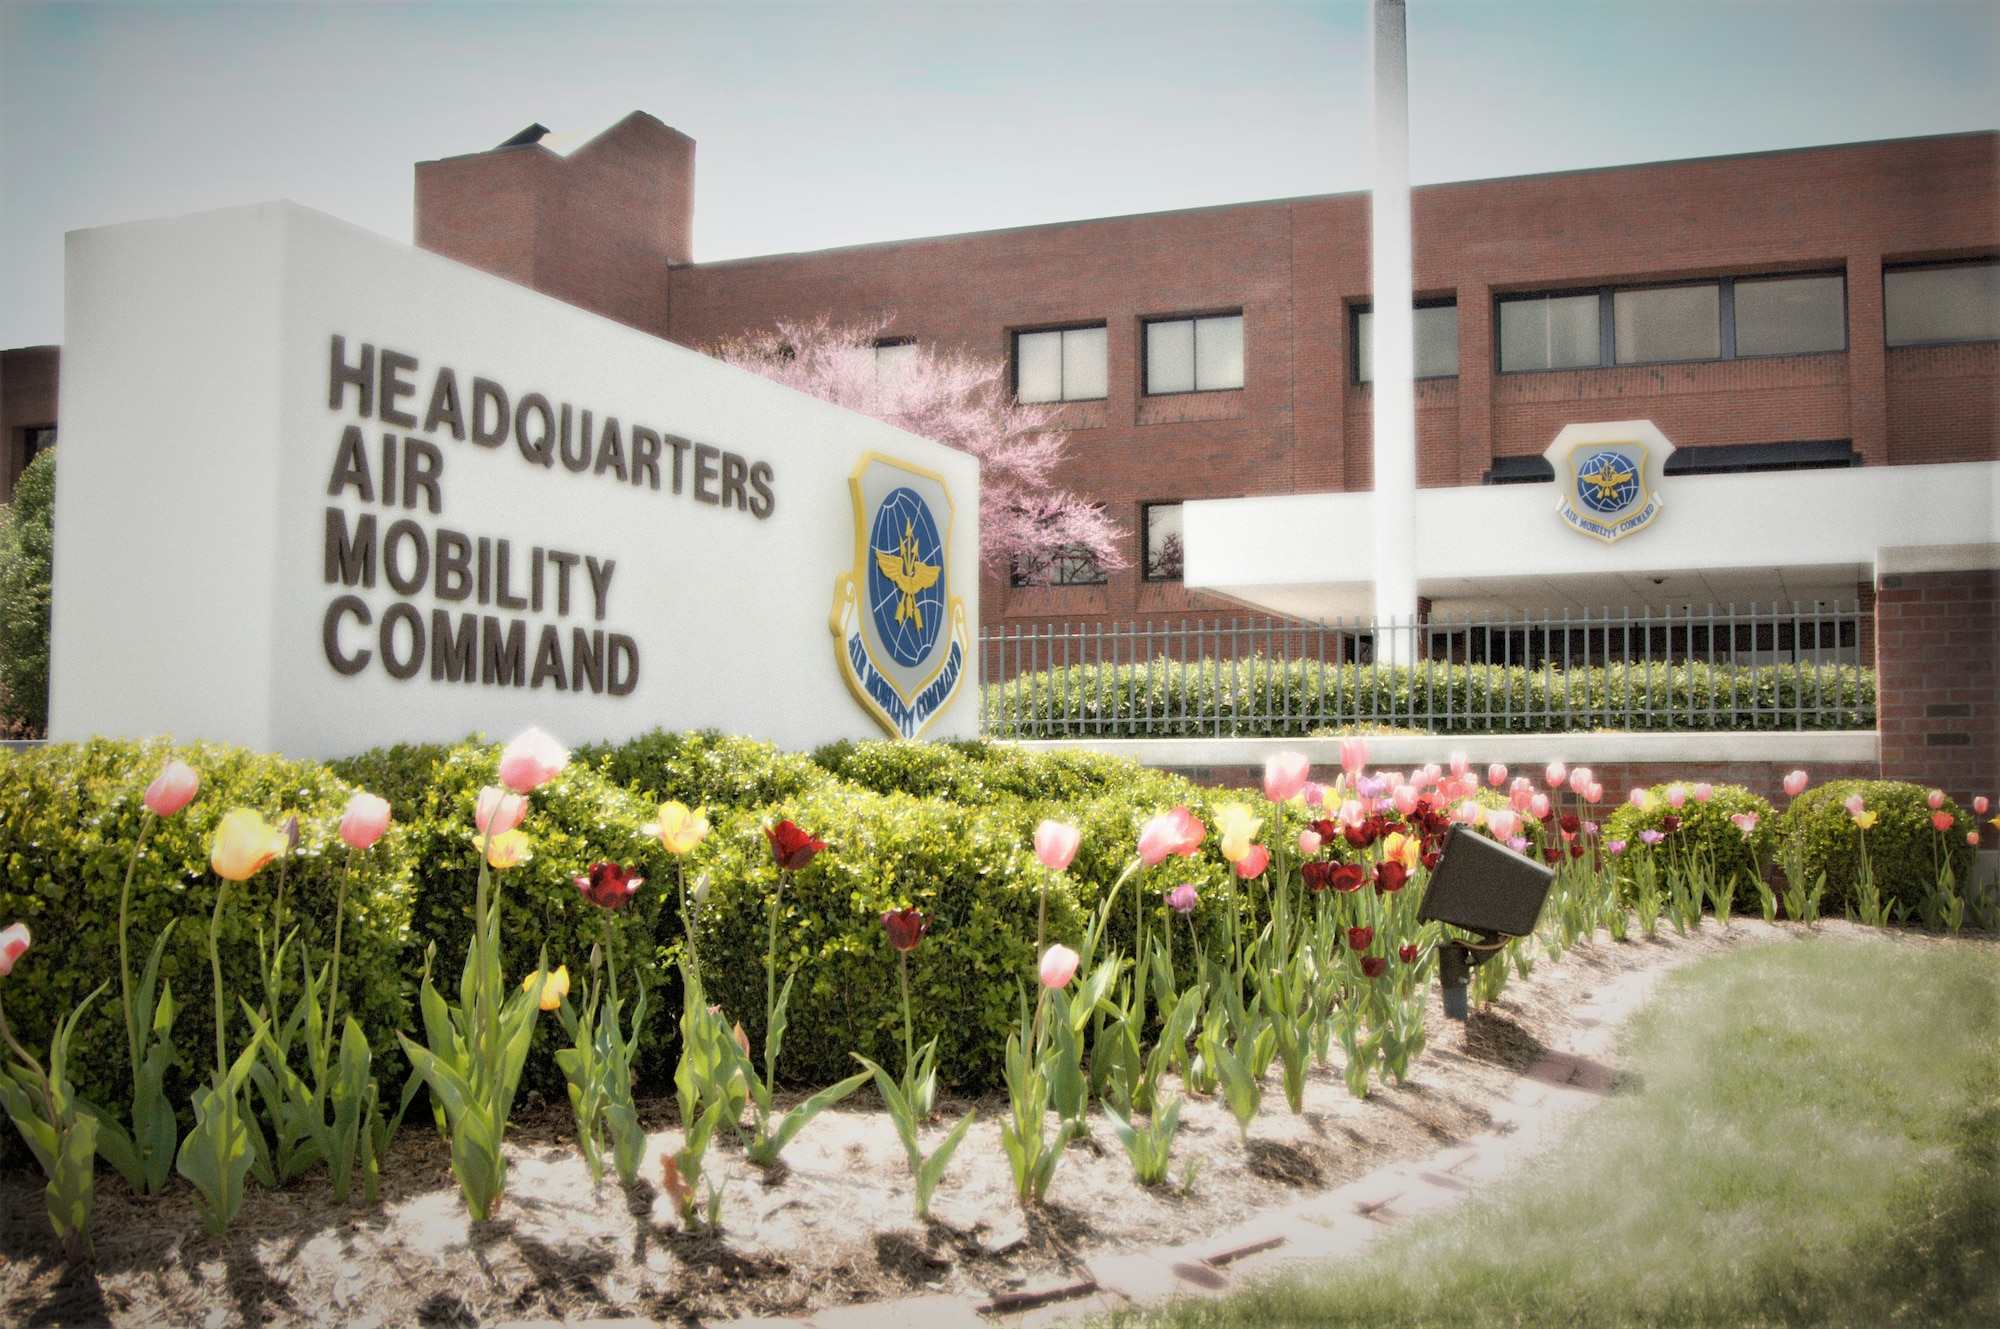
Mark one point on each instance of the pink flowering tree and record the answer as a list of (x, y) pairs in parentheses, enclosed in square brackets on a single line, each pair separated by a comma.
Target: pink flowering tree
[(1026, 519)]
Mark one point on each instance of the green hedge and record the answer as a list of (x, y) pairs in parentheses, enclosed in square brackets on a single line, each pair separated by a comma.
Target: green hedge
[(1704, 827), (977, 773), (1257, 695), (69, 814), (1902, 847), (704, 769)]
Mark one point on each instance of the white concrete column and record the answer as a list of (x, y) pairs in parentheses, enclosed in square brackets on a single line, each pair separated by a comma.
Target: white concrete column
[(1394, 340)]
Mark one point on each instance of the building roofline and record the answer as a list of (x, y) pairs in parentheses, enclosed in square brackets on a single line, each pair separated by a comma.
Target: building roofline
[(1289, 200)]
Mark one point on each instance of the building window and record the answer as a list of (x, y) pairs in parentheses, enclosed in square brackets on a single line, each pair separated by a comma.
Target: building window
[(1735, 317), (1738, 458), (1944, 302), (1549, 332), (1161, 523), (1067, 567), (1791, 315), (36, 439), (1060, 364), (1520, 471), (1436, 323), (894, 358), (1667, 323), (1194, 354)]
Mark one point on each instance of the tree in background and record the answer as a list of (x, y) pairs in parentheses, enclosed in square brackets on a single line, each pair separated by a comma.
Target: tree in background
[(27, 539), (1027, 523)]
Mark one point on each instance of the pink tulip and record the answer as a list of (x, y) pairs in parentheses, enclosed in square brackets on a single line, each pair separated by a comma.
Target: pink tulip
[(1431, 773), (1059, 964), (1579, 780), (1855, 805), (1941, 821), (1468, 813), (1285, 775), (1972, 838), (1315, 794), (172, 789), (1746, 822), (1503, 823), (1308, 843), (364, 821), (1538, 807), (1056, 843), (1390, 779), (1158, 839), (13, 941), (1594, 794), (1677, 795), (1795, 782), (1590, 828), (1936, 799), (1183, 898), (1460, 764), (1496, 775), (531, 761), (1353, 755), (1703, 792), (1553, 776), (1404, 800), (1350, 813), (1639, 799), (1979, 805), (1518, 843), (1254, 861), (498, 811)]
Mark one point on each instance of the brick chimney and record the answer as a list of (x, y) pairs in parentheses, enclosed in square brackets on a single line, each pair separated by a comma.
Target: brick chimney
[(597, 225)]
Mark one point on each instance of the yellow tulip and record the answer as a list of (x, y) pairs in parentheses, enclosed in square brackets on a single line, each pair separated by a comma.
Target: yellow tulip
[(1405, 849), (679, 829), (1237, 828), (509, 848), (554, 990), (243, 843), (1864, 819)]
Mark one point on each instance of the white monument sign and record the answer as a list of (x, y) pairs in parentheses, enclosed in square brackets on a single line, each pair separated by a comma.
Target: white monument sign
[(321, 491)]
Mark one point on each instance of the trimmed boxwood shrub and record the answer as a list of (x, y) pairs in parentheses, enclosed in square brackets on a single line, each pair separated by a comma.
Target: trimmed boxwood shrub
[(970, 868), (69, 814), (704, 769), (1902, 847), (578, 818), (1704, 826), (975, 772), (402, 774)]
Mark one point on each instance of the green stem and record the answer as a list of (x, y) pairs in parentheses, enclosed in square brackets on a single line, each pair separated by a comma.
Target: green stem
[(481, 997), (611, 976), (909, 1041), (215, 968), (771, 981), (124, 949), (339, 915)]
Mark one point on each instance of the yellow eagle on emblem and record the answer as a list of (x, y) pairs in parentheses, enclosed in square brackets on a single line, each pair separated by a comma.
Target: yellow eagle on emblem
[(910, 573), (1606, 480)]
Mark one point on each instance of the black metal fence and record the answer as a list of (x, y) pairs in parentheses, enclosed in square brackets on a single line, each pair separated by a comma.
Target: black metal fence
[(1761, 667)]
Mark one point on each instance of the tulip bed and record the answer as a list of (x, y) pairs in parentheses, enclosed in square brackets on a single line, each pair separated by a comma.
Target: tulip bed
[(712, 917)]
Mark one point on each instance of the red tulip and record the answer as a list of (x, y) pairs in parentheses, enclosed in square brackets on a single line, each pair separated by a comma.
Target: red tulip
[(1373, 966), (1407, 954), (1980, 805), (1941, 821), (1254, 861), (172, 789), (791, 847), (608, 886), (906, 927), (13, 943), (1358, 938), (1390, 877), (1349, 877)]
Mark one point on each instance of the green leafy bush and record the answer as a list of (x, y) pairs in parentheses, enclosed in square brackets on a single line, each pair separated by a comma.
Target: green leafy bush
[(1705, 828), (69, 814), (978, 773), (1902, 846), (27, 545), (577, 819), (970, 868), (704, 769), (1258, 695), (403, 774)]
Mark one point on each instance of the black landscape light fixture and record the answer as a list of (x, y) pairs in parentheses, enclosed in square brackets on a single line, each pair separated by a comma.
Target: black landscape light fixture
[(1483, 888)]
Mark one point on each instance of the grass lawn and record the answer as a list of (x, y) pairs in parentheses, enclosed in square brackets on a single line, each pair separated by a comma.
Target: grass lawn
[(1811, 1136)]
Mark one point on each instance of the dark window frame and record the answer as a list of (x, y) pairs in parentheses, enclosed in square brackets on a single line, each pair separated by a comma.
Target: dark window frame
[(1360, 307), (1014, 336), (1146, 572), (1144, 355), (1607, 333), (1072, 567)]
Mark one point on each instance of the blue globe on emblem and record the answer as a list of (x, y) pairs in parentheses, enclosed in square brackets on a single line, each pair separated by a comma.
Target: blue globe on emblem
[(1607, 483), (906, 576)]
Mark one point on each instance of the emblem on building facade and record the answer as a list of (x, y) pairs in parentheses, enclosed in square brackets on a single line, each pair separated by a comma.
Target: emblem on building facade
[(903, 637), (1608, 475)]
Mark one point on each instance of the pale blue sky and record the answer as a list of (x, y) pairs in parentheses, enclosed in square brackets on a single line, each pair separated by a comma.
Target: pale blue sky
[(836, 123)]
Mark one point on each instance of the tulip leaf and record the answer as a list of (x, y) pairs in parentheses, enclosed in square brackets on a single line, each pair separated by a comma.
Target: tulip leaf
[(932, 1169)]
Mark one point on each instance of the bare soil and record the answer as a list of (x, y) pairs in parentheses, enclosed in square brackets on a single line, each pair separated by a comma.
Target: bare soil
[(834, 1225)]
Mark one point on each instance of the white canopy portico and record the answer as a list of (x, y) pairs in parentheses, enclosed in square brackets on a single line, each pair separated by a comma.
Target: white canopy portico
[(1786, 536)]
